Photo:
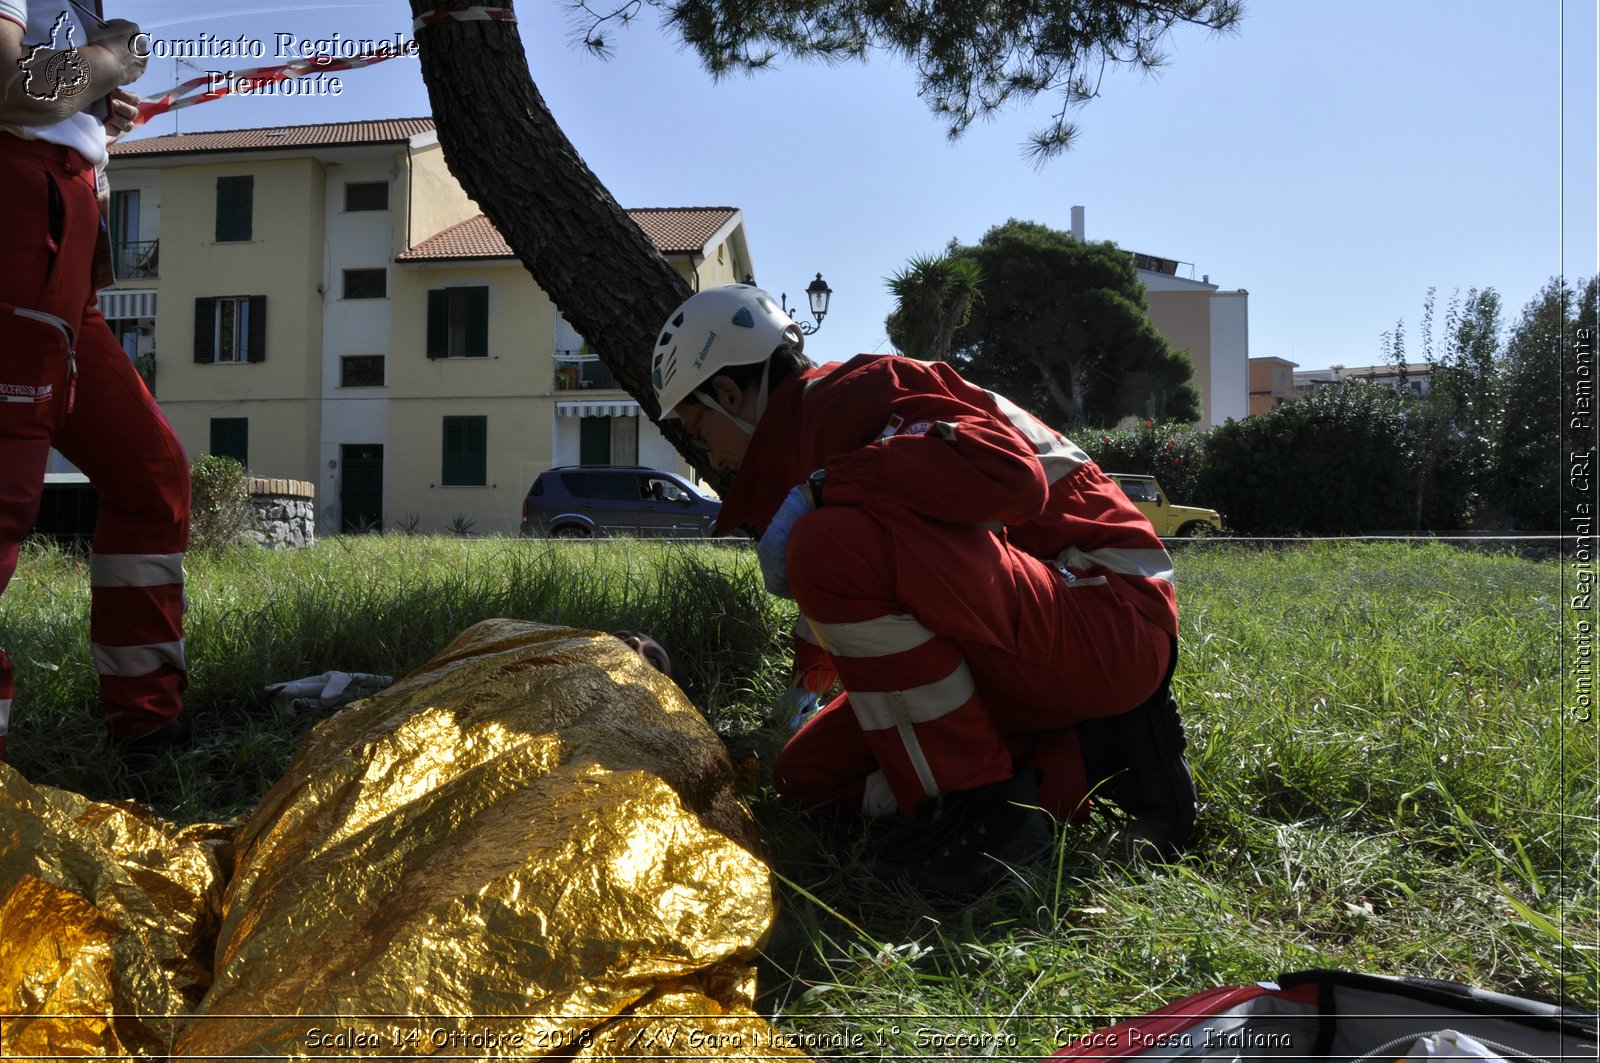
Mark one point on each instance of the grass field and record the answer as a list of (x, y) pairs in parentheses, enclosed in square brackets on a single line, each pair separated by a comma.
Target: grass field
[(1390, 782)]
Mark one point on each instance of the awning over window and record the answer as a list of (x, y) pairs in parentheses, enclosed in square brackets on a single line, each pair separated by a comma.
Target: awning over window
[(128, 304), (614, 408)]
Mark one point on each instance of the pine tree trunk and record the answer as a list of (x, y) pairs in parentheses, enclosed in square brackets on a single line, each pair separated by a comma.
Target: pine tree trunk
[(504, 147), (1071, 403)]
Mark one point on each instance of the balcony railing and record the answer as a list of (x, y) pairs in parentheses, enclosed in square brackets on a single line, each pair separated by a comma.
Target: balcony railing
[(576, 370), (136, 259)]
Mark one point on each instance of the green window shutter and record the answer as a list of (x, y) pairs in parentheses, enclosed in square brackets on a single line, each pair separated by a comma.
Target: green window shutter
[(257, 351), (439, 323), (205, 325), (477, 311), (466, 452), (230, 438), (235, 196)]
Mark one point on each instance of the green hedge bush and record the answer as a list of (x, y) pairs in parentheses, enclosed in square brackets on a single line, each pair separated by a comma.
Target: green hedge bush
[(221, 515), (1349, 459)]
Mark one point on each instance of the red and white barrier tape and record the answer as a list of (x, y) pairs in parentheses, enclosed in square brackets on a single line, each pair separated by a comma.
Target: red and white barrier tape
[(464, 13), (184, 95)]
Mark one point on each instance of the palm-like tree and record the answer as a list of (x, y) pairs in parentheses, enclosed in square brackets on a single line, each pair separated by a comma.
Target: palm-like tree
[(934, 297)]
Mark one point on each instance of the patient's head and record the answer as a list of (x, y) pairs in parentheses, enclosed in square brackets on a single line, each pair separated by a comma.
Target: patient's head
[(652, 651)]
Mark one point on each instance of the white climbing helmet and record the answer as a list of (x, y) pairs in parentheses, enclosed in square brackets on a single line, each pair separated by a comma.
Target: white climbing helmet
[(731, 324)]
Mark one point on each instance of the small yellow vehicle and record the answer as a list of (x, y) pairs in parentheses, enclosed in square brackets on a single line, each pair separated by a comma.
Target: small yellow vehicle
[(1169, 519)]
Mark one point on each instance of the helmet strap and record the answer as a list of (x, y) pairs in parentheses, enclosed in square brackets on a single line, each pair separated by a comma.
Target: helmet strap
[(761, 393), (744, 426), (761, 402)]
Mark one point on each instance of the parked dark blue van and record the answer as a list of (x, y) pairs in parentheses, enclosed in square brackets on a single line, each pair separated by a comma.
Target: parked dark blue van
[(583, 500)]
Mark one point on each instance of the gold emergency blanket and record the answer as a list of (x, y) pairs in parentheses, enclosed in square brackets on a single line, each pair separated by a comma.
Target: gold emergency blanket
[(530, 846), (107, 922)]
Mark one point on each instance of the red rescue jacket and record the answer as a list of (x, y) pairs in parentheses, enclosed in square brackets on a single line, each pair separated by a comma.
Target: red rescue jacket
[(910, 440)]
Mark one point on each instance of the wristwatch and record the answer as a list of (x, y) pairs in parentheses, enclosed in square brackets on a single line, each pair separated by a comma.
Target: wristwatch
[(814, 481)]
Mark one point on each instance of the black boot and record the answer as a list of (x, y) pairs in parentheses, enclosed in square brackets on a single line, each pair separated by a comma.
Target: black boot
[(1136, 760), (970, 840), (143, 755)]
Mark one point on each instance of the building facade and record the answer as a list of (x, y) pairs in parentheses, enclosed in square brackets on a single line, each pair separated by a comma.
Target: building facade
[(325, 303), (1213, 325), (1271, 384), (1415, 378)]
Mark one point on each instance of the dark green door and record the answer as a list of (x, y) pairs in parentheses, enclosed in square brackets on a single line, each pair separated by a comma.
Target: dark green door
[(361, 487), (594, 441)]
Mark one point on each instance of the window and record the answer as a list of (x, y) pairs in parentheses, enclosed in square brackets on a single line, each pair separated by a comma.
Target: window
[(230, 328), (458, 323), (230, 438), (361, 371), (1140, 490), (366, 283), (133, 257), (603, 486), (234, 196), (664, 491), (127, 335), (366, 195), (466, 452), (125, 217)]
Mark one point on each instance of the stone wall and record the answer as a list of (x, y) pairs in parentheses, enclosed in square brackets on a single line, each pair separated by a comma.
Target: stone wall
[(286, 512)]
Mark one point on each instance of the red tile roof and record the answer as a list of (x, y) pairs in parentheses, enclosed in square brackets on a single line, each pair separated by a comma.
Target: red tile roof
[(274, 138), (680, 230), (674, 231), (474, 238)]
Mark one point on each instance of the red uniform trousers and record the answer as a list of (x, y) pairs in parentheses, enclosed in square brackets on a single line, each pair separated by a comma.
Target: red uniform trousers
[(956, 671), (65, 382)]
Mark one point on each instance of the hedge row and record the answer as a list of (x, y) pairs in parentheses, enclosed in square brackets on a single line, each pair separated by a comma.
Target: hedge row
[(1348, 459)]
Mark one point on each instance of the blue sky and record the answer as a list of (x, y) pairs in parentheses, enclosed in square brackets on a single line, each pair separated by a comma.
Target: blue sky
[(1336, 160)]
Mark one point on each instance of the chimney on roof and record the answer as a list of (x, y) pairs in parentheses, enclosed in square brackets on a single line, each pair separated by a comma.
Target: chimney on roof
[(1077, 224)]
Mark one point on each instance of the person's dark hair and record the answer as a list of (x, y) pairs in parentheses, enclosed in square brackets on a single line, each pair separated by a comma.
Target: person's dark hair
[(666, 666), (787, 361)]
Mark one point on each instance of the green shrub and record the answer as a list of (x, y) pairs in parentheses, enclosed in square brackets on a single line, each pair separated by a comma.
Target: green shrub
[(1347, 460), (1173, 452), (221, 515), (1341, 461), (1329, 464)]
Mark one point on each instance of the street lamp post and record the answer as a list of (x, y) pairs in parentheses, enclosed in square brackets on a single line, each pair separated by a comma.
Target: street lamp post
[(818, 293)]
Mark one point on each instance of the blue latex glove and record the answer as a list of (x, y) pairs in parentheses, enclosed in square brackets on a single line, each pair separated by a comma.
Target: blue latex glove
[(773, 550), (794, 707)]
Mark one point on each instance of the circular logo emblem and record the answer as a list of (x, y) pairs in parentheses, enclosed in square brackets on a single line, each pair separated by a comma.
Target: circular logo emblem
[(66, 74)]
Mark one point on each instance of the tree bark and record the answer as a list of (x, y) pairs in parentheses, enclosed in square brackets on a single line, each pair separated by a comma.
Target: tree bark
[(503, 145), (1071, 403)]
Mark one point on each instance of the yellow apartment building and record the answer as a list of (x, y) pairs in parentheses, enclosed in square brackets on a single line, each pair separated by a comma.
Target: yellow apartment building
[(326, 304)]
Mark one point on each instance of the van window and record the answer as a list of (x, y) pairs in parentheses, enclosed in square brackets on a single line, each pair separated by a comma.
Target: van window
[(663, 491), (608, 486)]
